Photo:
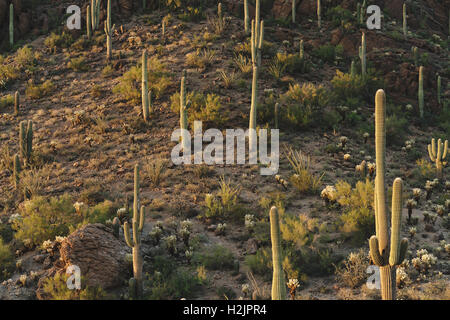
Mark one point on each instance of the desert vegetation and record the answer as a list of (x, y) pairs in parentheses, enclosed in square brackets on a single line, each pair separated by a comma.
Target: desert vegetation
[(358, 208)]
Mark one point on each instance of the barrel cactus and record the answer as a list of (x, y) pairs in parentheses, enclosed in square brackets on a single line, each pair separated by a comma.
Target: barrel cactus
[(386, 256)]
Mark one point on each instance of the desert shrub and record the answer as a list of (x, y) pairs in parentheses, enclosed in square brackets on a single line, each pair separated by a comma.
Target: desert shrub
[(25, 57), (345, 85), (352, 272), (7, 73), (339, 16), (81, 44), (292, 63), (56, 289), (357, 220), (43, 219), (395, 129), (155, 170), (101, 212), (261, 262), (192, 14), (303, 105), (304, 180), (6, 232), (201, 58), (243, 63), (57, 41), (78, 64), (93, 194), (39, 91), (6, 101), (216, 257), (6, 260), (203, 108), (299, 230), (159, 80), (328, 52)]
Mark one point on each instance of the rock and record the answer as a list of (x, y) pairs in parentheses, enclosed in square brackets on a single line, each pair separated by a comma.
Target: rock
[(39, 258), (100, 256)]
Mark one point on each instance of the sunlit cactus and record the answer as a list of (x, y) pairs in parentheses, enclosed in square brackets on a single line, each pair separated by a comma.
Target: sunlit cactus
[(438, 155), (88, 22), (386, 256), (362, 54), (183, 114), (278, 281), (319, 14), (16, 172), (246, 18), (109, 31), (420, 94), (145, 93), (16, 103)]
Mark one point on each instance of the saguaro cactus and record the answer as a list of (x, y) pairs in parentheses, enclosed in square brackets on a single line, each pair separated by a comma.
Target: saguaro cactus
[(135, 242), (26, 140), (246, 18), (276, 111), (278, 283), (386, 256), (88, 21), (302, 50), (293, 11), (405, 27), (16, 172), (353, 69), (415, 53), (109, 31), (438, 156), (319, 18), (11, 25), (16, 103), (439, 92), (362, 54), (145, 99), (95, 14), (420, 94), (183, 114)]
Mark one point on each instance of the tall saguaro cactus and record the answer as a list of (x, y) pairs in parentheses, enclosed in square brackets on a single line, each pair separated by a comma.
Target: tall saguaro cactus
[(278, 283), (26, 140), (319, 13), (256, 42), (16, 172), (88, 22), (246, 18), (439, 88), (11, 25), (362, 55), (16, 103), (293, 11), (405, 27), (145, 99), (420, 94), (95, 14), (386, 256), (135, 242), (109, 31), (183, 114), (438, 155)]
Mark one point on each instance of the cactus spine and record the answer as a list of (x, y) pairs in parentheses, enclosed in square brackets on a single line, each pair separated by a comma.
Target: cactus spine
[(362, 54), (145, 98), (420, 94), (88, 21), (109, 31), (405, 27), (183, 115), (383, 256), (438, 156), (278, 283), (16, 103), (319, 18), (135, 242), (16, 171), (439, 92), (11, 25)]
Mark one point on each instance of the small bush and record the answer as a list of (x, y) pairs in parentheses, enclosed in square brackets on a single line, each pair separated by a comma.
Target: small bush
[(215, 258), (352, 272), (40, 91), (6, 101), (55, 41), (201, 58), (78, 64), (6, 260), (56, 289), (304, 180)]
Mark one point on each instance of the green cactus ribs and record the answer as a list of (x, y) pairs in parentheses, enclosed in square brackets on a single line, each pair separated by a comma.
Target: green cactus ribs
[(438, 155)]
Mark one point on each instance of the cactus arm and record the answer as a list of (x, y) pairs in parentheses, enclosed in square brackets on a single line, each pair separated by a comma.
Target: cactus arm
[(444, 152), (377, 258), (396, 216), (403, 249), (141, 219), (136, 234), (136, 193), (246, 18), (430, 153), (126, 232), (380, 142)]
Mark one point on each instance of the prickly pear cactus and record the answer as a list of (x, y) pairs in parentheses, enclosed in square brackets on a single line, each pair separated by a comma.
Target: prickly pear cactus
[(384, 254)]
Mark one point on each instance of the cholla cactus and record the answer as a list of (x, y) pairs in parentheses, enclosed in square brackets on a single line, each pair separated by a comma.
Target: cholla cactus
[(135, 242), (188, 254), (410, 204), (185, 234), (329, 194), (417, 192), (278, 284), (221, 228), (412, 231), (249, 221), (440, 210), (155, 234), (362, 168), (386, 256), (292, 285), (343, 140), (79, 206), (438, 155), (171, 244), (424, 261), (371, 167), (281, 181), (245, 289), (366, 137), (347, 157), (429, 186)]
